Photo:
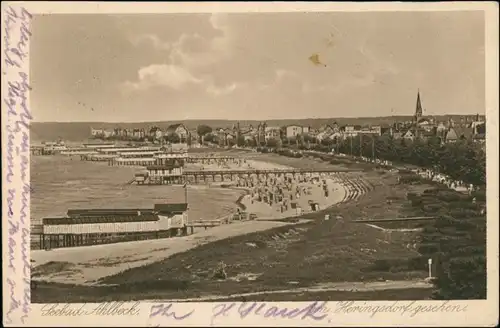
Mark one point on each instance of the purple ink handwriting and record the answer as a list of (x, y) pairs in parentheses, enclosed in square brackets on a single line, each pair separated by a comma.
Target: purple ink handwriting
[(17, 34), (168, 311), (315, 311)]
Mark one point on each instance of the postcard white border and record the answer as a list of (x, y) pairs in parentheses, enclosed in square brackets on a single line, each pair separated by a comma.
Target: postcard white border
[(479, 313)]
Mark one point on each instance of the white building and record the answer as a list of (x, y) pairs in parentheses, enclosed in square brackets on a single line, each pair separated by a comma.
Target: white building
[(295, 130)]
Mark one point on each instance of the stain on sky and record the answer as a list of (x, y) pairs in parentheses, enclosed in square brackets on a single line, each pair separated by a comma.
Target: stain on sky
[(316, 61), (85, 105), (315, 58)]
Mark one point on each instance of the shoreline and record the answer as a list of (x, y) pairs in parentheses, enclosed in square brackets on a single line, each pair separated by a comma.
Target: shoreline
[(114, 258)]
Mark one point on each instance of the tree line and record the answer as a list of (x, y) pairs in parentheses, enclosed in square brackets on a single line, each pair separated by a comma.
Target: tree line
[(463, 160)]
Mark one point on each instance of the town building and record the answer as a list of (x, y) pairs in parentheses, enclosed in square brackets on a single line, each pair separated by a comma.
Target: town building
[(294, 130), (180, 130), (272, 132)]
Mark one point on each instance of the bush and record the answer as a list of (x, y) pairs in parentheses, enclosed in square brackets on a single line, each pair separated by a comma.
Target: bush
[(432, 208), (410, 179), (451, 196), (416, 202), (417, 263), (480, 195), (464, 205), (411, 195), (381, 265), (428, 249), (463, 213)]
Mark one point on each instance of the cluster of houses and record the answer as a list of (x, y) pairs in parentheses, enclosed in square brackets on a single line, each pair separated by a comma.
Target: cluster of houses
[(420, 127), (469, 127), (175, 131)]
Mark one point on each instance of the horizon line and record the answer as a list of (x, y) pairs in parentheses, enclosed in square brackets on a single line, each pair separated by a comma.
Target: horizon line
[(257, 120)]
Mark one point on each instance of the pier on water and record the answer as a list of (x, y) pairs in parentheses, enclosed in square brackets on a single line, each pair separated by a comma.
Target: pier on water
[(214, 160)]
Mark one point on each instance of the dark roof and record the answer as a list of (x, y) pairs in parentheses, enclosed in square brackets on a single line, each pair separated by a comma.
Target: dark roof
[(107, 212), (330, 126), (102, 219), (99, 144), (173, 127), (385, 130), (163, 167), (481, 128), (464, 132), (425, 133), (171, 208)]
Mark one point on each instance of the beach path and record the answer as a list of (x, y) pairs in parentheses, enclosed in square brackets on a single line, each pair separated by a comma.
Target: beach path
[(85, 265)]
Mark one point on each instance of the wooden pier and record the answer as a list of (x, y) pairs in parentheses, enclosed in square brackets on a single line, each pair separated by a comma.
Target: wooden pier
[(196, 177), (43, 151), (213, 159), (230, 175)]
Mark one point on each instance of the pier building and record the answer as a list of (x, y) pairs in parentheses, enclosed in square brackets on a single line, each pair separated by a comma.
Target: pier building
[(161, 174), (48, 148), (118, 150), (99, 145), (79, 151), (97, 157)]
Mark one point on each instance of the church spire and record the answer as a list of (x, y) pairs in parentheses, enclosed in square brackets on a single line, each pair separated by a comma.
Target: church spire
[(418, 110)]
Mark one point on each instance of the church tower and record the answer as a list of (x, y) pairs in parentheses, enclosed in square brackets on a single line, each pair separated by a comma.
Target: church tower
[(418, 110)]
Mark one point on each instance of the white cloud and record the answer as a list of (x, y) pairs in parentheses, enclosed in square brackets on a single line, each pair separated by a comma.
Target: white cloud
[(220, 91), (171, 76), (188, 53), (193, 51)]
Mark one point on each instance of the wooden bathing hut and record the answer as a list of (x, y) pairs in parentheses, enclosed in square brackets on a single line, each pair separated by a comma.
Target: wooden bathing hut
[(105, 226)]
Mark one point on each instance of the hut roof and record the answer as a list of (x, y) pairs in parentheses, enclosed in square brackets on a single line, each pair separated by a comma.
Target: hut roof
[(108, 212), (102, 219), (171, 208), (163, 167)]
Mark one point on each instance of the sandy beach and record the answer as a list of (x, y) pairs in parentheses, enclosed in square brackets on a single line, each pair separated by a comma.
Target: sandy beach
[(86, 265)]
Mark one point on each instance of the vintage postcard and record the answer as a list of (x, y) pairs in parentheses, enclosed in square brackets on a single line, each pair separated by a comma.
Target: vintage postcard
[(250, 164)]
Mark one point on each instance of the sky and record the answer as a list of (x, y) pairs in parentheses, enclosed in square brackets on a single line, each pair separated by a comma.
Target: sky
[(255, 66)]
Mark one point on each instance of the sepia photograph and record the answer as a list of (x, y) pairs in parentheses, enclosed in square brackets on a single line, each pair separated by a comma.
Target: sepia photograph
[(258, 156)]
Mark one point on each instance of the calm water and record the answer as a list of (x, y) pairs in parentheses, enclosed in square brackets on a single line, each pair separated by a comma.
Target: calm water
[(60, 183)]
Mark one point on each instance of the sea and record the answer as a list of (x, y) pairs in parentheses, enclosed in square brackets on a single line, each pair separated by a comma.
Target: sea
[(61, 182)]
